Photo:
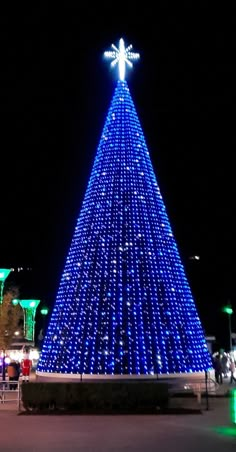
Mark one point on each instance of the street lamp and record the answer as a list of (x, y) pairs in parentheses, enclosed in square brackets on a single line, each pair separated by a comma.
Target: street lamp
[(228, 310), (29, 308), (44, 312), (4, 272)]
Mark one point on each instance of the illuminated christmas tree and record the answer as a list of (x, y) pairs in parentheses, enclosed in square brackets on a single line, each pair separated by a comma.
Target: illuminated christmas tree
[(124, 305)]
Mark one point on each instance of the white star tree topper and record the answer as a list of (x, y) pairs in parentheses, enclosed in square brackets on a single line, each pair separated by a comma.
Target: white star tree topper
[(121, 56)]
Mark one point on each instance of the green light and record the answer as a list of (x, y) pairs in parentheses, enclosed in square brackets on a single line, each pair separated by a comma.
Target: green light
[(44, 311), (4, 272), (15, 301), (29, 307), (225, 431), (26, 304), (233, 405), (227, 310)]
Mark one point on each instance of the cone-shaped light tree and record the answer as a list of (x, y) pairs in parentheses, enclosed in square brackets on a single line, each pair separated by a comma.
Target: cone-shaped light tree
[(124, 305)]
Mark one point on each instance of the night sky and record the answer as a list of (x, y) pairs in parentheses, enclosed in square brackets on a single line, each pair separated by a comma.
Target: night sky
[(55, 92)]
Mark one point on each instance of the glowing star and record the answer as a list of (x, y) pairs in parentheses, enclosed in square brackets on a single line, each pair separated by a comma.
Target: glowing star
[(121, 56)]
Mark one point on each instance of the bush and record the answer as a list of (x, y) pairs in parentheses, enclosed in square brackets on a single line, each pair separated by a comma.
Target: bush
[(95, 397)]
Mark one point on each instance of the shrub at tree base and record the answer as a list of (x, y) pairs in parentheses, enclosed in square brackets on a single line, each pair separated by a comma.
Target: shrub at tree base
[(95, 397)]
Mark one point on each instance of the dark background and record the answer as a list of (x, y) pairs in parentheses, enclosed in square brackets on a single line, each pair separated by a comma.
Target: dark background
[(55, 91)]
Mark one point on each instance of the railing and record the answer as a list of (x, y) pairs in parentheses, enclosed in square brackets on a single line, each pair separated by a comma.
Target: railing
[(202, 386), (206, 387), (198, 387), (10, 392)]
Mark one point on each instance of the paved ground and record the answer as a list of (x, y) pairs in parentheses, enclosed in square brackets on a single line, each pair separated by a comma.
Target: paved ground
[(211, 430)]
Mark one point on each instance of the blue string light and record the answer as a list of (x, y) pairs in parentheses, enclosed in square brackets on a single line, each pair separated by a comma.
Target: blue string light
[(124, 305)]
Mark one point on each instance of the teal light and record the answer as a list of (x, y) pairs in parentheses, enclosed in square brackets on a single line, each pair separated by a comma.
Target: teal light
[(15, 301), (233, 405), (228, 310), (44, 311), (29, 307), (26, 304), (4, 272)]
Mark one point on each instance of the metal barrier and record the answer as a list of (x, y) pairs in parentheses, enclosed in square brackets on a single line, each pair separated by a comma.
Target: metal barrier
[(10, 392), (202, 386), (198, 387)]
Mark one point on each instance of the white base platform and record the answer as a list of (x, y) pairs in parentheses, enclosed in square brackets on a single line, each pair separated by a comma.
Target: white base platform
[(193, 376)]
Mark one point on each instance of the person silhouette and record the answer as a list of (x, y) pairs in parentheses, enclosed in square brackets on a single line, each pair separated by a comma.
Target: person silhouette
[(218, 369), (232, 368)]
